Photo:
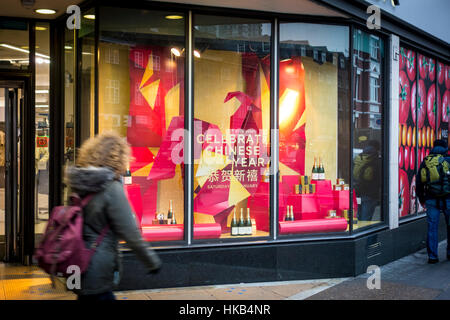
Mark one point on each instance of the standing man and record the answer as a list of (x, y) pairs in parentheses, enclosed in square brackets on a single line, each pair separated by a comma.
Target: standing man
[(433, 191)]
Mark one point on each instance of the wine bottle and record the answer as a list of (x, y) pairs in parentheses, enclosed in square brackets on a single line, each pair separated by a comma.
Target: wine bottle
[(249, 223), (234, 225), (241, 226), (174, 221), (292, 213), (315, 173), (127, 179), (321, 170), (288, 214), (170, 212)]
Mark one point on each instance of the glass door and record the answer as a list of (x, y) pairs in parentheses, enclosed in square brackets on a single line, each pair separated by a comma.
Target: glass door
[(2, 171), (10, 146)]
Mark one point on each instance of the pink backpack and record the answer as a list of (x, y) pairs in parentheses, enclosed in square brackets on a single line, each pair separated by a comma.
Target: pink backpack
[(62, 244)]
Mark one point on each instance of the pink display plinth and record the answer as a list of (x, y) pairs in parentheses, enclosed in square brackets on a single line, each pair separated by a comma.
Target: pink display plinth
[(305, 206), (175, 232), (313, 226), (341, 200), (322, 186), (133, 192), (326, 203)]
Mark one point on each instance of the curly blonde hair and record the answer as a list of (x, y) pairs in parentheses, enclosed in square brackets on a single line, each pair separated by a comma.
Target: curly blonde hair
[(107, 149)]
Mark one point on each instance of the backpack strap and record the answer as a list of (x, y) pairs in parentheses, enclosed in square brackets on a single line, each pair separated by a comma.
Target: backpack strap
[(100, 238), (86, 200)]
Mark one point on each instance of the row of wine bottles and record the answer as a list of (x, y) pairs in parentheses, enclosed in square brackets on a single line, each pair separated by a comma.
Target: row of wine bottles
[(244, 226), (318, 171)]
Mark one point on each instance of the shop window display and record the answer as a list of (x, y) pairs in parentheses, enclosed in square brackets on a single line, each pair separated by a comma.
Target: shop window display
[(368, 75), (231, 126), (141, 96), (314, 112)]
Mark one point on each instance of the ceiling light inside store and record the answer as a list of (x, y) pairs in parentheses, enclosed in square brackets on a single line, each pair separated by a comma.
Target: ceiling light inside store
[(175, 52), (196, 54), (45, 11), (41, 61), (89, 16), (174, 17), (26, 47), (41, 28), (23, 50), (87, 53), (41, 91), (67, 47)]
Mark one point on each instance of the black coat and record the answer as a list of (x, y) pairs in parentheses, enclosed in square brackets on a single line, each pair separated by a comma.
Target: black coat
[(109, 206)]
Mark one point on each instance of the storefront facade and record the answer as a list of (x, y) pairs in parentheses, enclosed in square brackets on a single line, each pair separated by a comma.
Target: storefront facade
[(269, 144)]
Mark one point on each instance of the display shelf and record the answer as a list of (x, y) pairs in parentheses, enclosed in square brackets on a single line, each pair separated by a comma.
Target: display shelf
[(174, 232), (313, 226), (258, 233)]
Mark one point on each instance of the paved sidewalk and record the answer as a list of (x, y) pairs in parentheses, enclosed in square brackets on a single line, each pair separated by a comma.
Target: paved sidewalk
[(408, 278)]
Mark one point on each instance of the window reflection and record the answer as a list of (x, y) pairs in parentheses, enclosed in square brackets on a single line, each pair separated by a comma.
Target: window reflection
[(314, 110), (368, 62)]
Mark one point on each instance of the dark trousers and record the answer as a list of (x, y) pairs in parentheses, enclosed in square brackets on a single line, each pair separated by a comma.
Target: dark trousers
[(105, 296)]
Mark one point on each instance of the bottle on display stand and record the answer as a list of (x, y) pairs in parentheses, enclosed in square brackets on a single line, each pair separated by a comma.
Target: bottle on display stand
[(234, 225), (321, 170), (288, 214), (315, 171), (292, 213), (249, 223), (241, 226), (174, 221), (170, 212), (127, 179)]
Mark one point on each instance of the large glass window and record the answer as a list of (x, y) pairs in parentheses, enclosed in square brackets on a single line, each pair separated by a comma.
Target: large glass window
[(314, 116), (368, 64), (141, 96), (87, 75), (14, 49), (231, 127), (42, 85)]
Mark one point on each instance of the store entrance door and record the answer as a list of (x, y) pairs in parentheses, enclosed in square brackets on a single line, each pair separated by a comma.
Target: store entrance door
[(13, 224)]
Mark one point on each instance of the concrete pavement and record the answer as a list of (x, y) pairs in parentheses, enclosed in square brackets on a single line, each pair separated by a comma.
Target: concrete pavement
[(409, 278)]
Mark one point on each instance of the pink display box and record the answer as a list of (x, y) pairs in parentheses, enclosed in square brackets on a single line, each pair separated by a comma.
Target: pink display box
[(326, 203), (322, 186), (133, 192), (313, 226), (305, 206), (173, 232), (341, 200)]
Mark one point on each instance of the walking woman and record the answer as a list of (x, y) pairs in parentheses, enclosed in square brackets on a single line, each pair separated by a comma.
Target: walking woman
[(101, 162)]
